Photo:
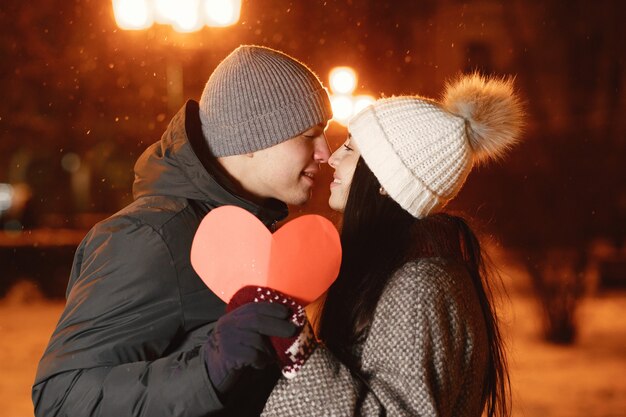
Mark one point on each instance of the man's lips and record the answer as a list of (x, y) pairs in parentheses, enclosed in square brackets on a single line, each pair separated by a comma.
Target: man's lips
[(309, 175)]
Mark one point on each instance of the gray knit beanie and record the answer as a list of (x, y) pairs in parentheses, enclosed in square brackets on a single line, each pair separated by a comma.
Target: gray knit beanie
[(257, 98)]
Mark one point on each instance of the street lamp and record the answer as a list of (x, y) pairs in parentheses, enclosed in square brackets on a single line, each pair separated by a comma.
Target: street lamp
[(343, 108), (186, 16), (343, 82), (219, 13), (183, 15), (132, 14)]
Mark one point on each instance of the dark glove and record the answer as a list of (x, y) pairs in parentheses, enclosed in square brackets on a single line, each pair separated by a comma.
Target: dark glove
[(291, 352), (238, 341)]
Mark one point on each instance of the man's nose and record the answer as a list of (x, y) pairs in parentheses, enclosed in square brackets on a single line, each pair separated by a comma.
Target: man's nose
[(321, 151)]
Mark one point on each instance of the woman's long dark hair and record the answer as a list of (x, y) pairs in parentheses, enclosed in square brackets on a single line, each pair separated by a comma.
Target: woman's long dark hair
[(378, 237)]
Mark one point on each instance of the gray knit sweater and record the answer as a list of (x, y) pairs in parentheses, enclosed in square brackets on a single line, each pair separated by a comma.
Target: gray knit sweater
[(425, 355)]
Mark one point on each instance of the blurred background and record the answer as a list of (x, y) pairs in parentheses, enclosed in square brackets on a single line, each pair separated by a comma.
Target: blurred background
[(87, 85)]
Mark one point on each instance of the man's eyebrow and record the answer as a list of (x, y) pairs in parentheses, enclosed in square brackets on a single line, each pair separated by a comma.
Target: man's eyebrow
[(318, 128)]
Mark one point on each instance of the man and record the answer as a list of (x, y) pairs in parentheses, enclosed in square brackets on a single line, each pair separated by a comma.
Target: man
[(141, 335)]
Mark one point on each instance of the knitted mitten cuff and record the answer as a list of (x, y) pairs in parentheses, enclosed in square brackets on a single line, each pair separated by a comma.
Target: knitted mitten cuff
[(292, 352)]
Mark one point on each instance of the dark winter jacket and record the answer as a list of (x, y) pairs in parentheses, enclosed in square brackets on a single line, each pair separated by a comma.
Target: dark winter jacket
[(127, 343)]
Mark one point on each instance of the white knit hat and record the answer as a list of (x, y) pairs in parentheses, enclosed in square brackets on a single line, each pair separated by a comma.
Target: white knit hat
[(422, 151)]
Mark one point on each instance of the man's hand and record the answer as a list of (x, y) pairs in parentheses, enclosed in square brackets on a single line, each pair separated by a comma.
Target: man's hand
[(293, 351), (238, 341)]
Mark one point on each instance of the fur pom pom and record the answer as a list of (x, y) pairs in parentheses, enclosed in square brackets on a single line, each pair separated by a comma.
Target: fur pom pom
[(492, 109)]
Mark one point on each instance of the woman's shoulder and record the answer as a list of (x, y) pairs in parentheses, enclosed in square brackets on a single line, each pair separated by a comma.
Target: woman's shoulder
[(429, 275), (425, 295), (429, 285)]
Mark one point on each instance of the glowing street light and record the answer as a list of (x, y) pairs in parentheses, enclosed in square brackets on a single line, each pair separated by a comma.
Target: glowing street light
[(186, 16), (132, 14), (222, 12), (183, 15), (362, 101), (343, 82), (343, 108), (164, 10)]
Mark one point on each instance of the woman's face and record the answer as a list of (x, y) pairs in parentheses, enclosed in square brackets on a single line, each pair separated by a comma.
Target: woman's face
[(344, 161)]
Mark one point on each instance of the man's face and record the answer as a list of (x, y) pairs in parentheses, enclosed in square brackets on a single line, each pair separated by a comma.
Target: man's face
[(287, 171)]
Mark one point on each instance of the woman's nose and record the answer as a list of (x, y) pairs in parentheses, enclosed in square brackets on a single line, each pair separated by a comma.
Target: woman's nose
[(332, 160)]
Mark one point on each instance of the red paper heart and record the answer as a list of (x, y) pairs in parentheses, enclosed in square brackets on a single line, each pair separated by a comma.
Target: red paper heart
[(232, 249)]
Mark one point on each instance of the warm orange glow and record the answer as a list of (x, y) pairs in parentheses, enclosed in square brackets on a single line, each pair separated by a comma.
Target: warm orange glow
[(164, 10), (221, 13), (186, 16), (342, 80), (132, 14), (183, 15), (361, 102), (342, 108)]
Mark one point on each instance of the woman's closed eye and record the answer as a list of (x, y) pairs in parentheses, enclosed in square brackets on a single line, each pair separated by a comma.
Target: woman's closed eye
[(346, 144)]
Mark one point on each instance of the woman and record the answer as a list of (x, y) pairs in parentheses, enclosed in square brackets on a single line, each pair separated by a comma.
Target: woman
[(408, 329)]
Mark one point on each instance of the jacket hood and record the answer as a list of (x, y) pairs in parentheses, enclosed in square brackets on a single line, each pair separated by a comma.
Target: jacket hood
[(172, 167)]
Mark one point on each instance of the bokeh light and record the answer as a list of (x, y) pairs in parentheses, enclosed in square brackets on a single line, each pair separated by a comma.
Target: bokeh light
[(222, 12), (343, 108), (361, 102), (342, 80), (186, 17), (164, 10), (70, 162), (183, 15), (132, 14)]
